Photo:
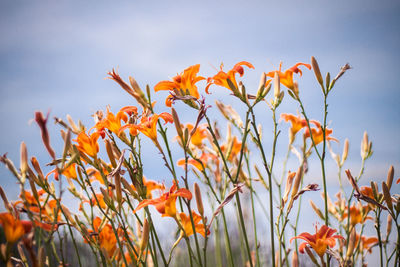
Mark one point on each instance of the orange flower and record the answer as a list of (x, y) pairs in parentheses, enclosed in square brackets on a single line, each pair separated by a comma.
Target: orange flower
[(69, 172), (199, 135), (320, 241), (105, 237), (286, 77), (148, 125), (150, 186), (318, 135), (358, 214), (112, 122), (187, 224), (182, 84), (166, 203), (236, 147), (297, 122), (13, 228), (204, 159), (367, 243), (221, 78), (88, 144)]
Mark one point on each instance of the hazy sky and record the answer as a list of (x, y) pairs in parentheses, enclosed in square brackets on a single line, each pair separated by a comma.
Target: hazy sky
[(55, 55)]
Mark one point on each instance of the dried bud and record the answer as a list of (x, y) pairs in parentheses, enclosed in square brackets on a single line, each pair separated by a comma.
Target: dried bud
[(390, 177), (345, 151), (317, 72), (199, 201), (145, 235)]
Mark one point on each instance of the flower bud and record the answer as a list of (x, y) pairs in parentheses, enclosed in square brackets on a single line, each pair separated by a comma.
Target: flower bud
[(352, 243), (317, 210), (199, 201), (277, 85), (145, 235), (390, 177), (177, 123), (24, 162), (295, 259), (317, 72), (297, 181), (345, 151), (386, 195), (388, 226), (289, 183)]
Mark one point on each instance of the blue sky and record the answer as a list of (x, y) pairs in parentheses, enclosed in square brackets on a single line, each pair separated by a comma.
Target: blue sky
[(54, 56)]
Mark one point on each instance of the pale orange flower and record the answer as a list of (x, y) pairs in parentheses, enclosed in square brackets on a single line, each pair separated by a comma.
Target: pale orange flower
[(187, 224), (150, 186), (88, 144), (358, 214), (236, 147), (297, 122), (182, 84), (318, 135), (166, 203), (105, 237), (221, 78), (367, 243), (203, 159), (286, 77), (320, 241), (113, 122), (199, 135)]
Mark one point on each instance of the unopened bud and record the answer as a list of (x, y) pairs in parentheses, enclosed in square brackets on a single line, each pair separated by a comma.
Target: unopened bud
[(41, 256), (145, 235), (199, 201), (386, 195), (388, 226), (289, 183), (345, 151), (177, 123), (297, 181), (110, 153), (296, 89), (317, 210), (73, 125), (352, 243), (317, 72), (295, 259), (24, 161), (5, 200), (364, 146), (328, 80), (277, 85), (390, 177)]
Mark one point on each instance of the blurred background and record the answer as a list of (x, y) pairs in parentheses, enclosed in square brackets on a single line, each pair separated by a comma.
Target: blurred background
[(55, 55)]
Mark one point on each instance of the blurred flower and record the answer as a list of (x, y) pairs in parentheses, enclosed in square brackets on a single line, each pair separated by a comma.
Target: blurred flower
[(187, 224), (367, 243), (105, 236), (182, 84), (320, 241), (13, 228), (233, 148), (113, 122), (166, 203), (317, 134), (286, 77), (358, 214), (221, 78), (150, 186), (200, 163)]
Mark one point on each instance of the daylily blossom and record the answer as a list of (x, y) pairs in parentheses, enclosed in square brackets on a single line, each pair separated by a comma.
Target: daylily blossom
[(367, 242), (150, 186), (113, 122), (286, 77), (358, 214), (199, 135), (297, 122), (317, 134), (148, 125), (235, 150), (203, 159), (166, 203), (187, 224), (320, 241), (182, 84), (105, 236), (88, 144), (221, 78)]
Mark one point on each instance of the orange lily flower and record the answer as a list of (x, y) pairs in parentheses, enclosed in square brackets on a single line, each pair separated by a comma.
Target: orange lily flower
[(166, 203), (182, 84), (297, 122), (15, 228), (204, 159), (221, 78), (113, 122), (318, 135), (286, 77), (150, 186), (320, 241), (236, 147), (358, 214), (367, 242), (187, 224), (69, 172), (148, 125), (199, 135), (105, 237), (88, 144)]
